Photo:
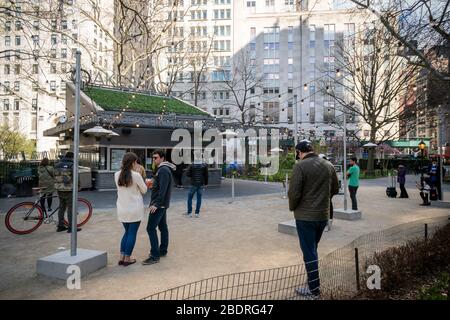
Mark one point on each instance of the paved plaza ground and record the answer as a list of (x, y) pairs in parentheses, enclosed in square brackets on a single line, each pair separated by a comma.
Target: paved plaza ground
[(227, 238)]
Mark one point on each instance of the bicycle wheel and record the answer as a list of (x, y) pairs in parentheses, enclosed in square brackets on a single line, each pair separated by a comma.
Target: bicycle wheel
[(84, 212), (24, 218)]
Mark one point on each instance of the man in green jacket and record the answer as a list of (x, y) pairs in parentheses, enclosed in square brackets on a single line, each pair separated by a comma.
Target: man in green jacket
[(313, 183), (353, 181)]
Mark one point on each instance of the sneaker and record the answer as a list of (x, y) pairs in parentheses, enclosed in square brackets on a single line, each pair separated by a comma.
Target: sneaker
[(150, 260), (189, 215), (197, 215), (70, 230), (162, 254), (304, 291), (61, 229)]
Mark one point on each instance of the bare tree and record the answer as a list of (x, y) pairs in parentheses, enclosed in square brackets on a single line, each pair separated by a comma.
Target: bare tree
[(245, 84), (198, 59), (417, 26), (371, 79)]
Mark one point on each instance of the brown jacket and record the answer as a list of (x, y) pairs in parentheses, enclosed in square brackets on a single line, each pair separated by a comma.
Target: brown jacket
[(313, 183)]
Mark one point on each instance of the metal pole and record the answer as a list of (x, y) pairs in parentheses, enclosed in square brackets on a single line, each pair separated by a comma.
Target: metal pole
[(295, 121), (441, 162), (265, 175), (345, 161), (232, 188), (76, 142), (358, 286)]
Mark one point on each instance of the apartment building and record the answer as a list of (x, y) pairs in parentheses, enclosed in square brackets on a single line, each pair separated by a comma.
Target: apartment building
[(286, 46), (38, 43)]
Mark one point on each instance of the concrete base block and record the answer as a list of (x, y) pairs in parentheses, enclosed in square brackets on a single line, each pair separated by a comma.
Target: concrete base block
[(348, 214), (288, 227), (441, 204), (55, 266)]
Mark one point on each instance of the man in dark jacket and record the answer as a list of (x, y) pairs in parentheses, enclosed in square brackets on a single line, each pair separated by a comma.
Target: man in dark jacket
[(159, 203), (401, 179), (198, 172), (313, 183)]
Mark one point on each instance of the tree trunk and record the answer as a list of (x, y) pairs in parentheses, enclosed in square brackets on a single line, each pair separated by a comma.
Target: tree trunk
[(371, 151)]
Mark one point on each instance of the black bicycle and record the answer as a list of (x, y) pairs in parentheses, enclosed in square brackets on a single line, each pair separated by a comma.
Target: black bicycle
[(25, 217)]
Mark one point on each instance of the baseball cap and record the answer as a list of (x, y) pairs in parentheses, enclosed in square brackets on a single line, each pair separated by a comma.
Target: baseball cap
[(304, 146)]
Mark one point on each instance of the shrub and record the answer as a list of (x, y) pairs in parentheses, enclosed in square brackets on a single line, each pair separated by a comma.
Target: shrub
[(403, 266)]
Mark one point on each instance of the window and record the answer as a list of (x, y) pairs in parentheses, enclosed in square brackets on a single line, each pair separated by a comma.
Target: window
[(53, 85), (251, 6), (16, 104), (53, 53), (222, 14), (35, 87), (63, 39), (36, 25), (35, 69), (17, 69), (63, 67), (5, 104), (53, 39), (270, 3), (64, 24), (35, 39), (18, 25), (271, 112), (7, 41), (63, 85), (34, 104), (53, 68), (74, 24), (6, 87), (7, 69), (64, 53), (53, 24), (8, 26), (17, 86)]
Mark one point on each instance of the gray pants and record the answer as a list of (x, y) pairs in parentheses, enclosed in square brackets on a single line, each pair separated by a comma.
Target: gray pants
[(65, 202)]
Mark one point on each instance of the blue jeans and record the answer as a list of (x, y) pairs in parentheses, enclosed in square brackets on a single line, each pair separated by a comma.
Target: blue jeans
[(309, 234), (198, 190), (129, 237), (158, 219)]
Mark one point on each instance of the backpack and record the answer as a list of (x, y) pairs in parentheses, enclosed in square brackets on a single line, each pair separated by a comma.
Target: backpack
[(64, 176)]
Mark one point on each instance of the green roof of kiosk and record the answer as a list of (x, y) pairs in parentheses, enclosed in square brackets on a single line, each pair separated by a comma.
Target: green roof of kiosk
[(115, 100)]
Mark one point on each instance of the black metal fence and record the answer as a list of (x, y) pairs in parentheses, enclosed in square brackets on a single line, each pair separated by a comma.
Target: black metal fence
[(341, 272)]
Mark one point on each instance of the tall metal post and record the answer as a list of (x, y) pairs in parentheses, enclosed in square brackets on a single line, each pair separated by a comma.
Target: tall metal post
[(295, 121), (76, 143), (441, 160), (232, 188), (344, 171)]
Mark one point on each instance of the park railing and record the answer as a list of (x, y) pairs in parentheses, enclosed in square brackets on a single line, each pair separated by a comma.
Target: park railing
[(341, 272)]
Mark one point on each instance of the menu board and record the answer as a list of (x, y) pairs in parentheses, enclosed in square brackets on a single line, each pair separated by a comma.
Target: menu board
[(116, 158)]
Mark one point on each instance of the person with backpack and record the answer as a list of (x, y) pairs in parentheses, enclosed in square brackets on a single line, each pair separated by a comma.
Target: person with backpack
[(130, 204), (198, 172), (64, 186), (46, 184)]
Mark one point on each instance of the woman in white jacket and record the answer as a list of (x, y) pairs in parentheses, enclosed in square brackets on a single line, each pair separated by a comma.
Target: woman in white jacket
[(130, 205)]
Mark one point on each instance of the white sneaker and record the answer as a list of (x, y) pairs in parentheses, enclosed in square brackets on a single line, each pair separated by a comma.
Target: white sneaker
[(189, 215), (197, 215)]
